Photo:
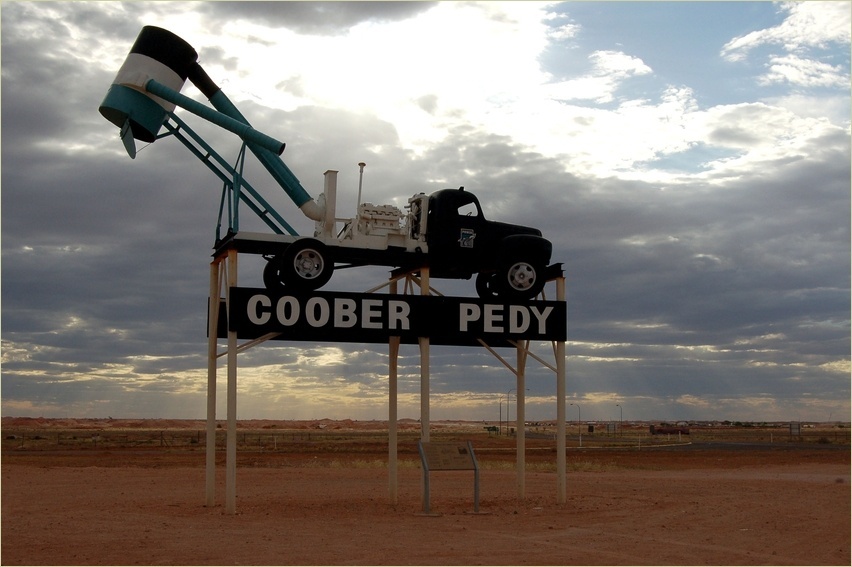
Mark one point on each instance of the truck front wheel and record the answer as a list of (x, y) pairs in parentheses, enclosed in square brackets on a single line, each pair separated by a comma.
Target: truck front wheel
[(305, 265), (519, 279)]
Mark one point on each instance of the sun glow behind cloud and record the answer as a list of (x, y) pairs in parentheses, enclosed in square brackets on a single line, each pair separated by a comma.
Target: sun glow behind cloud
[(420, 80)]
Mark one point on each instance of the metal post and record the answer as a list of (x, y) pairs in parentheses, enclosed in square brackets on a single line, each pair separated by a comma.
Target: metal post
[(520, 433), (621, 418), (393, 365), (425, 465), (330, 195), (476, 490), (424, 388), (561, 489), (579, 430), (424, 367), (231, 444), (508, 405), (360, 183), (212, 345), (475, 478)]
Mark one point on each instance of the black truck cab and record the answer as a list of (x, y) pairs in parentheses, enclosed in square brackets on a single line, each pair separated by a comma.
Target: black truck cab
[(509, 260)]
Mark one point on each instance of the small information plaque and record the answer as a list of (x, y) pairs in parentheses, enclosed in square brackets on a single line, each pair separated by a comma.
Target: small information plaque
[(448, 456)]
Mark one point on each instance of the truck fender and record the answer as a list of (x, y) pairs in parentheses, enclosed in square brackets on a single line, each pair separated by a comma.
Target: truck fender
[(526, 246)]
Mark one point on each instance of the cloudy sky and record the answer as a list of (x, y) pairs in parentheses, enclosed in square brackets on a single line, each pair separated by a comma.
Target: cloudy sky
[(689, 161)]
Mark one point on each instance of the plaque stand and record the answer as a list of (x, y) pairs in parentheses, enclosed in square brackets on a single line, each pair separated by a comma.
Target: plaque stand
[(447, 457)]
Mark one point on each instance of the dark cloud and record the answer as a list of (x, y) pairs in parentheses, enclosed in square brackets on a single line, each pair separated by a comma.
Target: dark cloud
[(316, 18)]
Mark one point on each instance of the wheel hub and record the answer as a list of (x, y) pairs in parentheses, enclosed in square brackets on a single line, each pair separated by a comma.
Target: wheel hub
[(308, 264), (521, 276)]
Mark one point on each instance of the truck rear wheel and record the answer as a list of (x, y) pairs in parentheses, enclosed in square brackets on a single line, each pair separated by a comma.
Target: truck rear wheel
[(519, 279), (486, 285), (305, 265)]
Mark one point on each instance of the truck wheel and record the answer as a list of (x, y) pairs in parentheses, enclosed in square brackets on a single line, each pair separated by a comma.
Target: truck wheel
[(486, 285), (272, 274), (520, 279), (305, 265)]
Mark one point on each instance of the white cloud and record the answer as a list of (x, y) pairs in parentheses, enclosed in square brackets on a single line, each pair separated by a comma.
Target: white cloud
[(384, 69), (618, 63), (836, 108), (808, 25), (563, 32), (803, 72), (609, 70), (763, 136)]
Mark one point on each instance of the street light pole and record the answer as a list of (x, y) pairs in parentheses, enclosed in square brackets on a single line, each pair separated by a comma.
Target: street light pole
[(509, 405), (500, 423), (621, 418), (579, 431)]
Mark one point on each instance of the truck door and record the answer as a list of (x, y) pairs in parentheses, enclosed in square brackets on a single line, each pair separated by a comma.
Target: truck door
[(455, 232)]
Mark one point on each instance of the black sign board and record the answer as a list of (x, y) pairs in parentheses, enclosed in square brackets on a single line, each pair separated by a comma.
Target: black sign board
[(374, 318)]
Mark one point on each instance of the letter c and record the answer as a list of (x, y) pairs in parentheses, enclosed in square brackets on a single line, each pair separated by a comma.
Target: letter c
[(255, 315)]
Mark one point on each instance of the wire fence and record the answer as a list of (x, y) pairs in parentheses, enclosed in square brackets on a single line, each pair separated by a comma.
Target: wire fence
[(577, 435)]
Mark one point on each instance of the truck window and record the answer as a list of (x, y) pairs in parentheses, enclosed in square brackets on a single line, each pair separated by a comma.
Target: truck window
[(468, 210)]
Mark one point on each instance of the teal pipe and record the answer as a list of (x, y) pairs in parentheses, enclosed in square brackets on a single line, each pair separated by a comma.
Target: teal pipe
[(263, 209), (241, 129), (273, 164)]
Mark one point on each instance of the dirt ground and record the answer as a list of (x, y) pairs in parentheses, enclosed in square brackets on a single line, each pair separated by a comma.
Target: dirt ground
[(703, 503)]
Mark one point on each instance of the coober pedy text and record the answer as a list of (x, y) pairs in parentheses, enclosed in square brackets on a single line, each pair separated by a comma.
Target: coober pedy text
[(362, 317)]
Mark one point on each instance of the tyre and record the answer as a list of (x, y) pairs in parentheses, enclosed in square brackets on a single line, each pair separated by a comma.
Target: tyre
[(272, 274), (305, 265), (486, 285), (520, 279)]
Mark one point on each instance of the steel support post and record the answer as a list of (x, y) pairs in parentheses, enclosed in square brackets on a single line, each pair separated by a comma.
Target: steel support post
[(520, 429), (560, 408), (212, 346), (424, 367), (393, 366), (231, 443), (424, 383)]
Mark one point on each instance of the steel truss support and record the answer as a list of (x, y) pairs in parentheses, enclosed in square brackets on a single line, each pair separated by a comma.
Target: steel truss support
[(410, 280), (223, 274), (223, 277), (523, 351)]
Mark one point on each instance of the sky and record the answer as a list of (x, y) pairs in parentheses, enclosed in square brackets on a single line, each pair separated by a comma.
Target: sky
[(689, 161)]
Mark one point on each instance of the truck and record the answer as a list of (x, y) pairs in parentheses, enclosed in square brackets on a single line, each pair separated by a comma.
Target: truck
[(445, 231)]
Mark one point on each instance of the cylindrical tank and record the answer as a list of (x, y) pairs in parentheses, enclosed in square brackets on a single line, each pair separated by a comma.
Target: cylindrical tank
[(156, 54)]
